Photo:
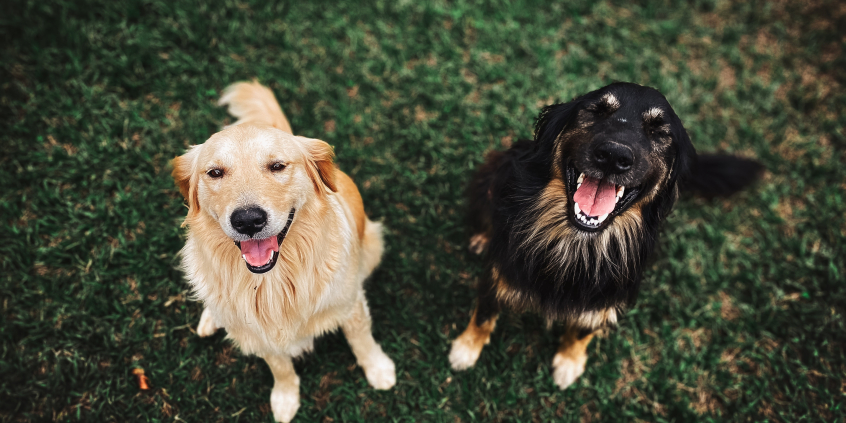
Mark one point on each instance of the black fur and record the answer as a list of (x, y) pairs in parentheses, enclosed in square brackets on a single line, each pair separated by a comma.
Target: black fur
[(505, 192), (720, 175)]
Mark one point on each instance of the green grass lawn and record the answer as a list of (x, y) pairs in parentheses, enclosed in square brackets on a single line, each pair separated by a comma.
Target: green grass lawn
[(741, 315)]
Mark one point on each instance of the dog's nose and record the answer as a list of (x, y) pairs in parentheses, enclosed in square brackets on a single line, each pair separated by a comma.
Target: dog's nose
[(612, 157), (249, 221)]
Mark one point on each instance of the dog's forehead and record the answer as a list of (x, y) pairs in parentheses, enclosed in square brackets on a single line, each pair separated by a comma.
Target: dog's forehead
[(250, 142), (634, 102)]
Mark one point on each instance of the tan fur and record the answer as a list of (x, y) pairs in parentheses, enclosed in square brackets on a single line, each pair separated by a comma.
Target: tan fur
[(346, 188), (551, 227), (569, 361), (518, 301), (186, 179), (571, 346), (612, 101), (480, 334), (255, 104), (467, 347), (322, 167), (330, 248)]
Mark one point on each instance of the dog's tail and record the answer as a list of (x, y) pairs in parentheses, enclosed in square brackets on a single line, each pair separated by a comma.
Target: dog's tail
[(721, 175), (252, 102), (372, 246)]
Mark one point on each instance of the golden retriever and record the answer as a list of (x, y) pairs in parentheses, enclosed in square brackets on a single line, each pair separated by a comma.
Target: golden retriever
[(278, 243)]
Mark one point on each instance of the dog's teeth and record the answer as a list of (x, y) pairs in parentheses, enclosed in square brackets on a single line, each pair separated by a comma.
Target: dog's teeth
[(579, 185), (620, 190), (581, 178), (603, 217), (577, 208), (244, 256)]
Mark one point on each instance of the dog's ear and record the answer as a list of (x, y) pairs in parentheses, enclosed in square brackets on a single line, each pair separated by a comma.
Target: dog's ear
[(320, 165), (553, 119), (186, 178), (685, 152)]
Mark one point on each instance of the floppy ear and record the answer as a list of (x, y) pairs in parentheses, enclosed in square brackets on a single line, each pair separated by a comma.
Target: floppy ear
[(554, 119), (320, 165), (683, 157), (685, 154), (186, 178)]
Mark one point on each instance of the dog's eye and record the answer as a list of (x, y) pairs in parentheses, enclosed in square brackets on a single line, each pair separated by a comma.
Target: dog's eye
[(276, 167), (660, 131), (600, 108), (215, 173)]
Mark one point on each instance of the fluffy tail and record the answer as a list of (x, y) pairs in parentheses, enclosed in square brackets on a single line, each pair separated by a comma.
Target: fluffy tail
[(721, 175), (372, 247), (252, 102)]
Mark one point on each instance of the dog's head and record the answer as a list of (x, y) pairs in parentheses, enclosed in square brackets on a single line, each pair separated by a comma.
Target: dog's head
[(250, 181), (614, 148)]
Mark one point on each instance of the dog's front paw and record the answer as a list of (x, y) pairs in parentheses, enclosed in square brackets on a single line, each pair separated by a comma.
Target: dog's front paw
[(207, 325), (567, 369), (284, 404), (464, 353), (380, 371)]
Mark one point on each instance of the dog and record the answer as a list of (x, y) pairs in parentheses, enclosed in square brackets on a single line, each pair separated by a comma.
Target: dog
[(568, 220), (278, 243)]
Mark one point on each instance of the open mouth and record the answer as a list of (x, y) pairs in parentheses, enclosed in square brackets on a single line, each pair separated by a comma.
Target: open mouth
[(597, 201), (260, 255)]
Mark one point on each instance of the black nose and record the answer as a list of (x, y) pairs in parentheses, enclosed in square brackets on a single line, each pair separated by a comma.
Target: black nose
[(612, 157), (248, 221)]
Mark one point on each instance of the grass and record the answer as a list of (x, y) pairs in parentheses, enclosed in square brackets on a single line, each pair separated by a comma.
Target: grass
[(741, 315)]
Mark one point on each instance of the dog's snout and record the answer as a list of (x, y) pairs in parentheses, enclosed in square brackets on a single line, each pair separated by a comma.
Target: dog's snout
[(613, 158), (249, 221)]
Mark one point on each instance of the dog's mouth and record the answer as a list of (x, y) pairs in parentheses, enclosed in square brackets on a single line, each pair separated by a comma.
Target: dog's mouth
[(596, 202), (260, 255)]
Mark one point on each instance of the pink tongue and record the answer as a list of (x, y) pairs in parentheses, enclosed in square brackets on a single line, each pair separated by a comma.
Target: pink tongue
[(258, 251), (596, 197)]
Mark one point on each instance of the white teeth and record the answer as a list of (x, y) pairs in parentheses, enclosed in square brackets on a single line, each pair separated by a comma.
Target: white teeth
[(603, 217), (620, 190), (244, 256), (579, 185), (581, 178), (578, 209)]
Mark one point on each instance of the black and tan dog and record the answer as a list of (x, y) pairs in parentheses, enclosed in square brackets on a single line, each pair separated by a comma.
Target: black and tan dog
[(568, 220)]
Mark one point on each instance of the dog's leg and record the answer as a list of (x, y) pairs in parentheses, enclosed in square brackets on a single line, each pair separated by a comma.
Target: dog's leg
[(569, 361), (468, 346), (378, 367), (207, 325), (285, 396)]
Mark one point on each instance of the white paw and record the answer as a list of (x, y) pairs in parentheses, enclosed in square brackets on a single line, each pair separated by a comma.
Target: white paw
[(478, 243), (207, 326), (464, 353), (284, 404), (567, 369), (380, 371)]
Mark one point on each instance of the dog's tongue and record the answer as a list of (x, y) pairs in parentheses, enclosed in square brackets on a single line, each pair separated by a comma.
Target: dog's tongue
[(258, 251), (596, 197)]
